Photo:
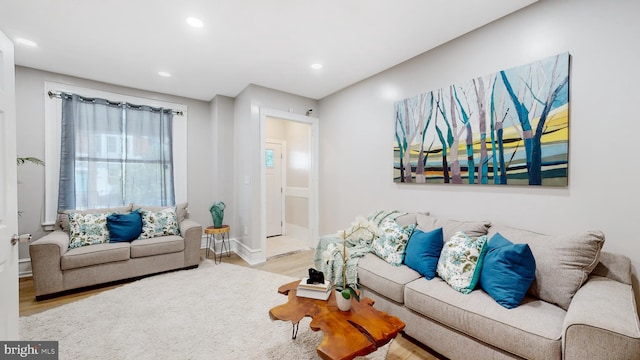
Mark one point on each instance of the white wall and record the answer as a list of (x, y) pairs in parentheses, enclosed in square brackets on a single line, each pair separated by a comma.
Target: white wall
[(221, 160), (358, 126), (30, 134), (248, 210)]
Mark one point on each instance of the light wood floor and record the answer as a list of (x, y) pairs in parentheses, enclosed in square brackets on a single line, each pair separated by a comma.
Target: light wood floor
[(294, 265)]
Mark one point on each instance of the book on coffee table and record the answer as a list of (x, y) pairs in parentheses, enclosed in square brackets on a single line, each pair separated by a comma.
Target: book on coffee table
[(315, 286), (313, 294)]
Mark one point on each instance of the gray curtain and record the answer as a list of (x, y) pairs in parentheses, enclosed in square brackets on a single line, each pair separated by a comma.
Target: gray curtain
[(113, 154)]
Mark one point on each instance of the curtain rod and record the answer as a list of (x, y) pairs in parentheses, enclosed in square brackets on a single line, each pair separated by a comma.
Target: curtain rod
[(58, 94)]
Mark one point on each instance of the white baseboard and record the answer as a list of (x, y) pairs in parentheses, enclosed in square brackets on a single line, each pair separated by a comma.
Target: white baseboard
[(24, 268), (251, 256)]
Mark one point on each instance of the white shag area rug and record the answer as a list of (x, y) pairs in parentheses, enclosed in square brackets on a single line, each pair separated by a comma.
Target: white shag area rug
[(212, 312)]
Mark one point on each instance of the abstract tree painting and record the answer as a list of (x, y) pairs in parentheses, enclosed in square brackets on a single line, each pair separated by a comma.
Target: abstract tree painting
[(506, 128)]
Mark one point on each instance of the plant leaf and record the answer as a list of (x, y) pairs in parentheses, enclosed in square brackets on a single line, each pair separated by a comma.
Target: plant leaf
[(33, 160)]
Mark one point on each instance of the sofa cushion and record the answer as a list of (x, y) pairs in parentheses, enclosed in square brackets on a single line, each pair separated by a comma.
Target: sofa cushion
[(532, 330), (392, 242), (563, 262), (159, 223), (87, 229), (423, 252), (155, 246), (384, 278), (62, 223), (124, 227), (508, 271), (94, 255), (451, 227), (461, 260)]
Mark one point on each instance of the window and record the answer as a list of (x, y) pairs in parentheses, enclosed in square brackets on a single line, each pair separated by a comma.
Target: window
[(97, 170), (268, 153), (126, 151)]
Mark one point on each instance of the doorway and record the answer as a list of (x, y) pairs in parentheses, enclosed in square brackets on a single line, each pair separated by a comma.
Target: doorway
[(289, 175)]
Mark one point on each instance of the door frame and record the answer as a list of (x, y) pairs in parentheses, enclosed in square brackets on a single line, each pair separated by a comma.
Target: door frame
[(313, 173)]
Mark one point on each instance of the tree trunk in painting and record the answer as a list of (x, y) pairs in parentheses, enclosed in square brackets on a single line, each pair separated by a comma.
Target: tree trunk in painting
[(421, 129), (471, 166), (470, 160), (420, 165), (407, 152), (503, 169), (455, 162), (445, 143), (494, 151), (400, 142), (523, 117), (484, 158), (535, 173)]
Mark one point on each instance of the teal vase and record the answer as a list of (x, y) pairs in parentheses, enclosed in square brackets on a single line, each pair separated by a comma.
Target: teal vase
[(217, 213)]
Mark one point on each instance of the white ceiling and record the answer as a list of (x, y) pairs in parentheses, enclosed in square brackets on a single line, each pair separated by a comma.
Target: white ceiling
[(265, 42)]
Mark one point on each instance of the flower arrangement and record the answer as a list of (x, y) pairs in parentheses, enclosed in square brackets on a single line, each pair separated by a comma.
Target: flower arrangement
[(362, 230)]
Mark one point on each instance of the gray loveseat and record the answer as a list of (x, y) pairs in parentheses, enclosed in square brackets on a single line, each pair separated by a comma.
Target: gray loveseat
[(58, 268), (580, 306)]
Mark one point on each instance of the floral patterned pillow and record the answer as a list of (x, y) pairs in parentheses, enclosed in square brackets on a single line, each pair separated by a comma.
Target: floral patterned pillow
[(87, 229), (461, 260), (392, 242), (159, 223)]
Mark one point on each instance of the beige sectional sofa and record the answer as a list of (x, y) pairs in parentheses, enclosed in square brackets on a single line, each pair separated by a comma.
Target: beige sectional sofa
[(58, 268), (598, 321)]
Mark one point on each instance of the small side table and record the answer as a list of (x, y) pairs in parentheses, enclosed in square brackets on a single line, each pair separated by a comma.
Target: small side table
[(223, 234)]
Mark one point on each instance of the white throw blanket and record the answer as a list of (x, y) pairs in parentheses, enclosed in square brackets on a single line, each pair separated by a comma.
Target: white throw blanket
[(329, 253)]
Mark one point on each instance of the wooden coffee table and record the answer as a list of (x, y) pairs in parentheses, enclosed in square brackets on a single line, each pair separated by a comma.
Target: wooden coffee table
[(347, 334)]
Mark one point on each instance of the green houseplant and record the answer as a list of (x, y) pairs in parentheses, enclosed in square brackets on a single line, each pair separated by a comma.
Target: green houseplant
[(28, 160), (32, 160)]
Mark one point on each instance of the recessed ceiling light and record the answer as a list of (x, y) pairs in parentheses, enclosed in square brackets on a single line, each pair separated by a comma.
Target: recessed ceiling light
[(316, 66), (195, 22), (164, 74), (26, 42)]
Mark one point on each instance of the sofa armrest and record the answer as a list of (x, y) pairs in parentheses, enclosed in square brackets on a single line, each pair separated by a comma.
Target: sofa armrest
[(191, 231), (45, 256), (57, 238), (602, 322)]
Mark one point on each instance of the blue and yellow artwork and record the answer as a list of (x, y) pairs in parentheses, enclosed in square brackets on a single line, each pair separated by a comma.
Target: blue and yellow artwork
[(506, 128)]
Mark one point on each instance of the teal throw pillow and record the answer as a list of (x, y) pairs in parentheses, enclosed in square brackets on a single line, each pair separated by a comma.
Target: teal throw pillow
[(392, 242), (423, 252), (124, 227), (508, 271), (461, 260)]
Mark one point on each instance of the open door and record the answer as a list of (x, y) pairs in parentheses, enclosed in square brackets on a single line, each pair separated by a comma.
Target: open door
[(8, 195), (275, 194)]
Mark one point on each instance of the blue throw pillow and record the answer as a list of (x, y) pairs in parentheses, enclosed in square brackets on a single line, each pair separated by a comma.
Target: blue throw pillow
[(508, 271), (124, 227), (423, 252)]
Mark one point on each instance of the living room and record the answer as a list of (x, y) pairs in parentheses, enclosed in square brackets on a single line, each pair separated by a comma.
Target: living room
[(356, 135)]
